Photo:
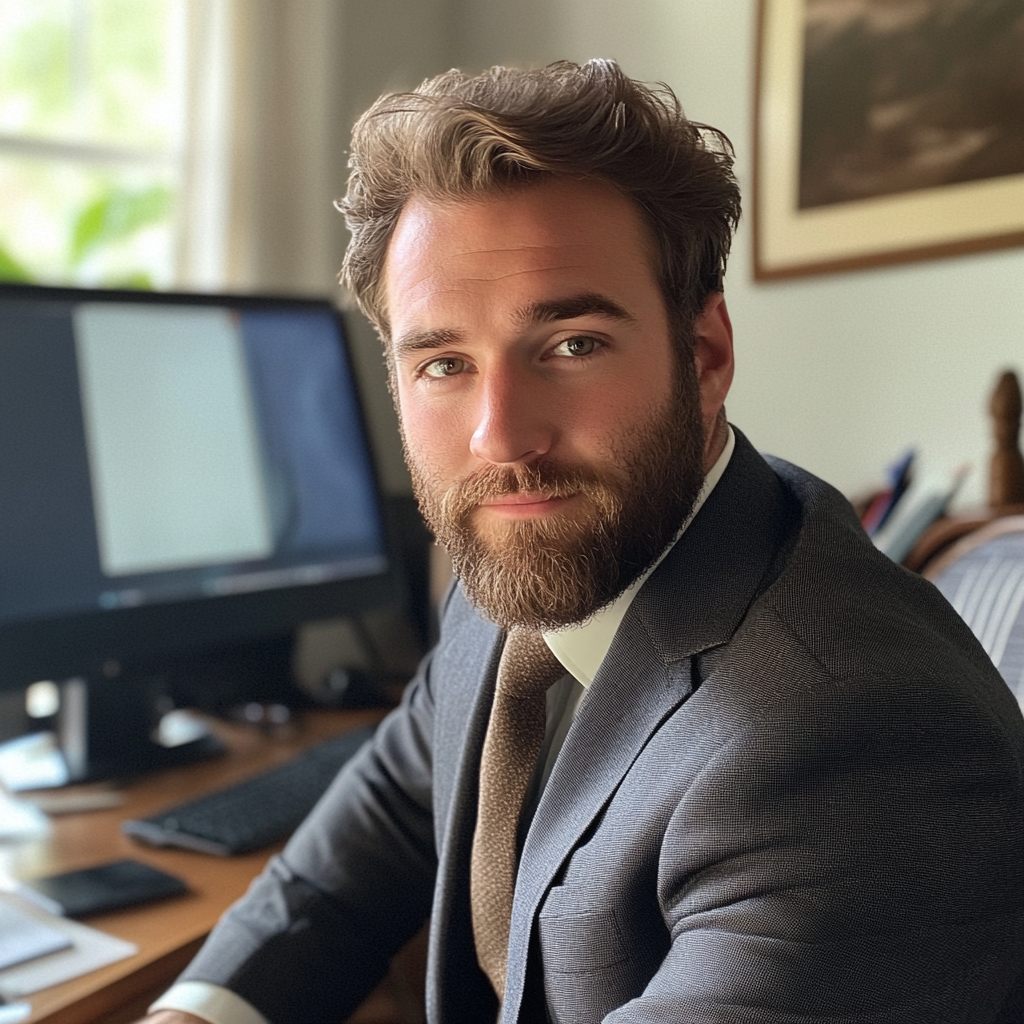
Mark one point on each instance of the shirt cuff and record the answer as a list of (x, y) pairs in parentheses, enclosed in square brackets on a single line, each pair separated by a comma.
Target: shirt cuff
[(211, 1002)]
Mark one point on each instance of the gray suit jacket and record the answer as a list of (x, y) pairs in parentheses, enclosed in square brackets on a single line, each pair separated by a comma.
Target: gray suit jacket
[(792, 793)]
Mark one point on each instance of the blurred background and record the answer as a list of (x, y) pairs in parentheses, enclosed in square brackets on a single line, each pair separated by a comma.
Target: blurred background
[(199, 144)]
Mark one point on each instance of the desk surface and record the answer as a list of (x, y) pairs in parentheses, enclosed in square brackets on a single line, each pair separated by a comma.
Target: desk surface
[(167, 933)]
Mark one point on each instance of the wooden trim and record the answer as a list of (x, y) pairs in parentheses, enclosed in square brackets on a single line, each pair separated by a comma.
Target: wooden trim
[(963, 247), (943, 532), (996, 528)]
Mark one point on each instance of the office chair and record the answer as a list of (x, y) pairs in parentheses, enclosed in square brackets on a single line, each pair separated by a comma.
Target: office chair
[(982, 576)]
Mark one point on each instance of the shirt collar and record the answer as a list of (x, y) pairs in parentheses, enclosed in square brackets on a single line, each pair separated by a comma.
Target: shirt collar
[(582, 648)]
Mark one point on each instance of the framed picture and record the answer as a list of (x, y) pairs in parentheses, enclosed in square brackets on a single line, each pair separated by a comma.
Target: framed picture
[(887, 131)]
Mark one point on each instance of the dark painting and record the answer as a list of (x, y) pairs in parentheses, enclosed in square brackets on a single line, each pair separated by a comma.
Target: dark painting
[(900, 95)]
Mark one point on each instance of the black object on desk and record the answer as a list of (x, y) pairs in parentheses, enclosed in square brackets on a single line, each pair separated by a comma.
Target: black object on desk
[(256, 811), (122, 883)]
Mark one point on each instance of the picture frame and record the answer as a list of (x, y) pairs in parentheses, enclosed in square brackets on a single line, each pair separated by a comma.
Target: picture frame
[(863, 157)]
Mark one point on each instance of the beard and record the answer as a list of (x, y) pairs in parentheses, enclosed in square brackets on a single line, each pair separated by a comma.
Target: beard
[(551, 571)]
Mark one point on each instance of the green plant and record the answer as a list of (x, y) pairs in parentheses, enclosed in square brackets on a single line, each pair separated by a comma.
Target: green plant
[(114, 217), (11, 269)]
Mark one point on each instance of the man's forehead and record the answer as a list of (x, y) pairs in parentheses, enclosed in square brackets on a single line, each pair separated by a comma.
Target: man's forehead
[(492, 227), (555, 230)]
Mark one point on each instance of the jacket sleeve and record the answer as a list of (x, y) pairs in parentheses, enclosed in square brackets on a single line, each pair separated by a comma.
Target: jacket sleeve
[(317, 929)]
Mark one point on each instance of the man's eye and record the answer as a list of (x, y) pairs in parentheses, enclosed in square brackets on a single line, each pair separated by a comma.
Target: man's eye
[(579, 346), (448, 367)]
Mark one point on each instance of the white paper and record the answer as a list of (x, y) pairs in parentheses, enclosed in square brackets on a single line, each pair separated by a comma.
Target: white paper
[(91, 950), (34, 761), (20, 820), (23, 937)]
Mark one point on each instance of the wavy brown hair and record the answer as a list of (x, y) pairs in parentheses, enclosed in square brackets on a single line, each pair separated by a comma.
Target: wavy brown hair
[(458, 137)]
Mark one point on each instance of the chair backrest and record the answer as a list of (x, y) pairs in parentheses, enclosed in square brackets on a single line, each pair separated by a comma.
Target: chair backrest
[(982, 577)]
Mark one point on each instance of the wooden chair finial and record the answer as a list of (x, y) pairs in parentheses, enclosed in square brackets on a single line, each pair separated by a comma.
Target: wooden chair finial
[(1006, 473)]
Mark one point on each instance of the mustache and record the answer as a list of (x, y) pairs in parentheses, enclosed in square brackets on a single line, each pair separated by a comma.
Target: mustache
[(544, 478)]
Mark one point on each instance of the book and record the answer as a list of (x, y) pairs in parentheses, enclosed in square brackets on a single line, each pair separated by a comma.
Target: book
[(925, 500), (899, 476)]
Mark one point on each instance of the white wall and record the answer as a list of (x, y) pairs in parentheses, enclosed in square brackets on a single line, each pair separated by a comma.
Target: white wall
[(837, 373)]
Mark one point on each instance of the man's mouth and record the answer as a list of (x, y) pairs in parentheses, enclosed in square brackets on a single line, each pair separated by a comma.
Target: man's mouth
[(524, 504)]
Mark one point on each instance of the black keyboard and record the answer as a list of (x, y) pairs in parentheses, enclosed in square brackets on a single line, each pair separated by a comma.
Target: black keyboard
[(255, 812)]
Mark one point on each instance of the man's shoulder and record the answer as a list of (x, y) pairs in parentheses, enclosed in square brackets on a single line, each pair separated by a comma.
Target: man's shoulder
[(847, 600), (835, 613)]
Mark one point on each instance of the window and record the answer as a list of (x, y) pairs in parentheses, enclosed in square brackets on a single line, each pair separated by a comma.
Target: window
[(93, 108)]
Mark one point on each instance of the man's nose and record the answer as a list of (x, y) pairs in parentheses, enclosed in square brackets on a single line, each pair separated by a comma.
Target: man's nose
[(514, 421)]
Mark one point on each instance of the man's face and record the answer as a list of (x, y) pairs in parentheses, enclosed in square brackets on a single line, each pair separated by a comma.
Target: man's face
[(555, 442)]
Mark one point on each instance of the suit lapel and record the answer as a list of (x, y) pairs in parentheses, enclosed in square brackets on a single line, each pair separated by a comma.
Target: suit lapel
[(694, 601), (466, 670)]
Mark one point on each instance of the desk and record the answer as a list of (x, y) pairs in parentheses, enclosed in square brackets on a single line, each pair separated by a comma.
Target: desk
[(168, 933)]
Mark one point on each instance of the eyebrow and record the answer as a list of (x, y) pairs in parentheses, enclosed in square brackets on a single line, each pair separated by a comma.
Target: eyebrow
[(416, 341), (587, 304), (543, 312)]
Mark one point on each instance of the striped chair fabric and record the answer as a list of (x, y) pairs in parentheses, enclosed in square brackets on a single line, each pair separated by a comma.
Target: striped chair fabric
[(982, 576)]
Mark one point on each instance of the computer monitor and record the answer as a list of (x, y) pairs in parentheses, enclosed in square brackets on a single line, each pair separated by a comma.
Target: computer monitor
[(177, 473)]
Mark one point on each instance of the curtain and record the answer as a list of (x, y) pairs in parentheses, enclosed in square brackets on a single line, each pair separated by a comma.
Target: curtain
[(264, 154)]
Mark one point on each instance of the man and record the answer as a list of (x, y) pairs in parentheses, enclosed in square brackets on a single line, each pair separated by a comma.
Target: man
[(770, 776)]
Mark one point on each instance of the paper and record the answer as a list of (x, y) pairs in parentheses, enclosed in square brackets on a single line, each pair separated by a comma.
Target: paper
[(20, 820), (90, 950), (32, 762), (23, 937)]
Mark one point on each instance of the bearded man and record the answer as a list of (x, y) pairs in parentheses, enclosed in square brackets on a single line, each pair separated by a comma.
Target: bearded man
[(689, 748)]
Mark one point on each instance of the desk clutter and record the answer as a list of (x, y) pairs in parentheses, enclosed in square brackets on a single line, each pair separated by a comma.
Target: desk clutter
[(24, 937), (907, 518), (40, 946), (142, 947), (39, 949), (96, 890)]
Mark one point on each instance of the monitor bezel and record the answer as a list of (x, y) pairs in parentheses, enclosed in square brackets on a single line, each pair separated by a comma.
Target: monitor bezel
[(87, 644)]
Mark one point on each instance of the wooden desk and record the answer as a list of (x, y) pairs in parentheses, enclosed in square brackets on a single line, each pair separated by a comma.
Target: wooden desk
[(168, 933)]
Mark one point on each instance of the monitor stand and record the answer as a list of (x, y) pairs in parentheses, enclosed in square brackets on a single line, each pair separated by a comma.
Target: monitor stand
[(113, 728), (125, 724), (116, 725)]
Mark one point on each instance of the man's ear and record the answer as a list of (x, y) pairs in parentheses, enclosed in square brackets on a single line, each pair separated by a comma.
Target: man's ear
[(713, 358)]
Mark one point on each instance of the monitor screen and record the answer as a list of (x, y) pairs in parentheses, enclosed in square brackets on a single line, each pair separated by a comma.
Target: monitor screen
[(176, 471)]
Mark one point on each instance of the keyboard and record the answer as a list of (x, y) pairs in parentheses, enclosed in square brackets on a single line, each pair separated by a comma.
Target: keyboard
[(255, 812)]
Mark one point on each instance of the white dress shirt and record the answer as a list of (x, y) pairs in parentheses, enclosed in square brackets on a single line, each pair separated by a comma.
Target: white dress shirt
[(580, 649)]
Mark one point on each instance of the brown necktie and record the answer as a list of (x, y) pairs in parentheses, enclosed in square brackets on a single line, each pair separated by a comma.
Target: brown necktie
[(514, 737)]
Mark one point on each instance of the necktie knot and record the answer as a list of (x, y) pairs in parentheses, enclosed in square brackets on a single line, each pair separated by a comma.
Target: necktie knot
[(527, 666)]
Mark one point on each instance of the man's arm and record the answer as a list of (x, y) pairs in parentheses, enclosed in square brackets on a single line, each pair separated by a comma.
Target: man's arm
[(317, 929)]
